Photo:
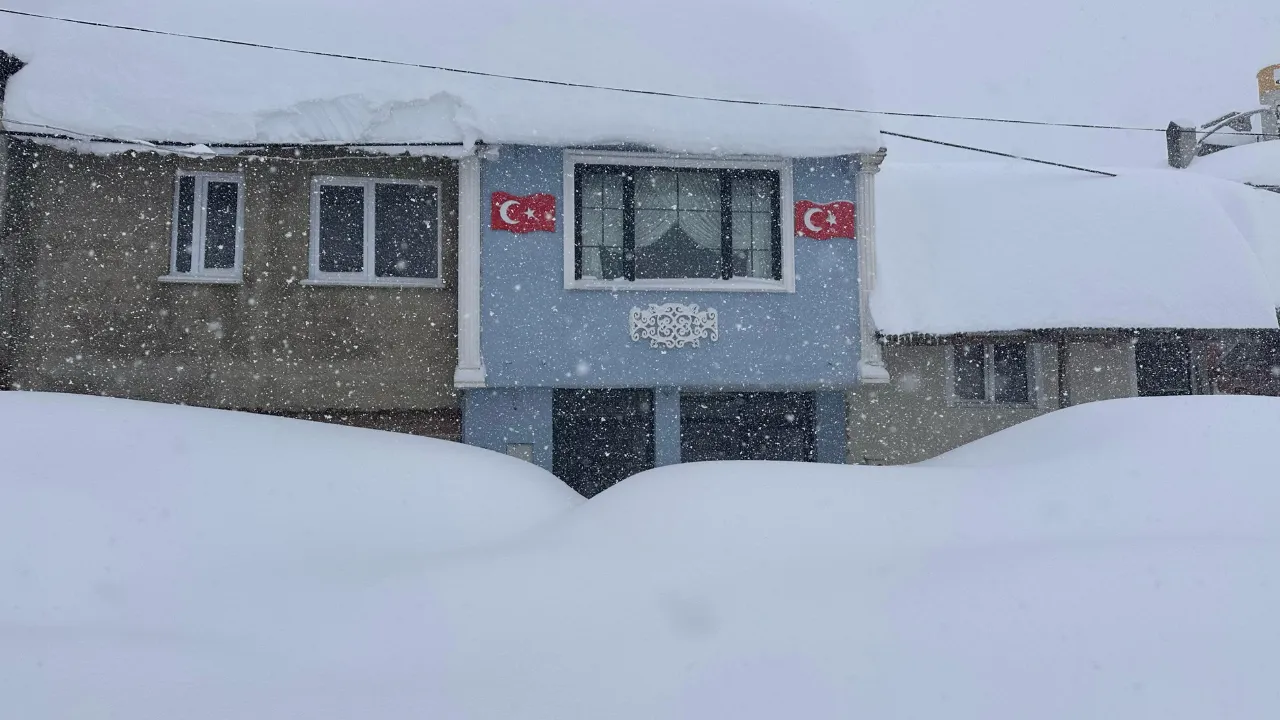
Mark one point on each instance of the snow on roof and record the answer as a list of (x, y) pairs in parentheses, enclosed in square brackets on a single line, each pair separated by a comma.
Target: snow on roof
[(128, 85), (998, 247), (1257, 163)]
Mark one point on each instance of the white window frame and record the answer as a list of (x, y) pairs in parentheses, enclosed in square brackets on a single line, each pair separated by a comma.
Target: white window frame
[(199, 210), (786, 202), (989, 376), (366, 277)]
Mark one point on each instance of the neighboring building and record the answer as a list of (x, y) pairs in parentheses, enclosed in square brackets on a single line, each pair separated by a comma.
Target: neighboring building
[(1239, 128), (1006, 292)]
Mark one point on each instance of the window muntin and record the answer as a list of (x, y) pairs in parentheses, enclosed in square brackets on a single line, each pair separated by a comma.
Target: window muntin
[(208, 226), (375, 231), (642, 222), (991, 374)]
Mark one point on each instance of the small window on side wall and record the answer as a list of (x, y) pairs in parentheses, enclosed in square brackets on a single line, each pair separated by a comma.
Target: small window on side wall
[(991, 374), (375, 232), (208, 227)]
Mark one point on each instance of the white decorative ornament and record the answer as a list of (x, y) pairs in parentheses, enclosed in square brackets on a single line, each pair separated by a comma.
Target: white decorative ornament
[(674, 325)]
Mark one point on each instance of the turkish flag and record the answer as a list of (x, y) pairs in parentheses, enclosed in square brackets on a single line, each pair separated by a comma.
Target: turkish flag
[(522, 214), (823, 222)]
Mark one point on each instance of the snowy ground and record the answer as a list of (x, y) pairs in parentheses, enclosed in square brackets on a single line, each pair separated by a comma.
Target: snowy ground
[(1116, 560)]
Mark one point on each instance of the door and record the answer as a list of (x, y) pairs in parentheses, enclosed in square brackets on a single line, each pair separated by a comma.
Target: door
[(601, 436), (747, 426)]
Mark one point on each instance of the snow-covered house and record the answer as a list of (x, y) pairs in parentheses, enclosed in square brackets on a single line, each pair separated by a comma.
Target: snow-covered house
[(1003, 292), (631, 278)]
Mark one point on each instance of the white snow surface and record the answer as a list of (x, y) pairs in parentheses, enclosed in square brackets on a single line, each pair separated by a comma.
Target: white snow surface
[(1257, 163), (1117, 559), (969, 247), (126, 85)]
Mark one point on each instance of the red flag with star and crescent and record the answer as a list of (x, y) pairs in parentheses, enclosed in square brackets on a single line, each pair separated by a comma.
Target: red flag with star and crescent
[(820, 221), (523, 213)]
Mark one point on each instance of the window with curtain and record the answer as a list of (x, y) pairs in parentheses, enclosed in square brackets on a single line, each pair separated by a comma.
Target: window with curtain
[(650, 223)]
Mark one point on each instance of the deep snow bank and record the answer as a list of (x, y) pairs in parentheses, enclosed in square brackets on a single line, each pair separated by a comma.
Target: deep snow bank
[(180, 484), (1118, 559)]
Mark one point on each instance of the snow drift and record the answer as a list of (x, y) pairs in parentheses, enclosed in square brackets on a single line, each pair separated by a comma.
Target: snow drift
[(1118, 559)]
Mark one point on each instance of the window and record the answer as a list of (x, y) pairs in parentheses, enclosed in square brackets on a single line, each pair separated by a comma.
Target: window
[(375, 232), (676, 223), (1164, 368), (208, 228), (991, 374)]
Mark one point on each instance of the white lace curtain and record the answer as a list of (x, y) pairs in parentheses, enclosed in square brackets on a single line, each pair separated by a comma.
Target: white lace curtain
[(665, 198)]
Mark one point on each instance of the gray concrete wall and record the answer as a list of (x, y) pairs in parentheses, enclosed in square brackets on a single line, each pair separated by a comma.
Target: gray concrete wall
[(911, 419), (1100, 371), (89, 236)]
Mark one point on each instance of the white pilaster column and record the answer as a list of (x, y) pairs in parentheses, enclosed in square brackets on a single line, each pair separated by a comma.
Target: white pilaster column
[(871, 368), (470, 370)]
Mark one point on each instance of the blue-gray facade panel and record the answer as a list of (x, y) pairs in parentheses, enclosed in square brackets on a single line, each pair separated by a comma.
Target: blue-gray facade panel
[(534, 332)]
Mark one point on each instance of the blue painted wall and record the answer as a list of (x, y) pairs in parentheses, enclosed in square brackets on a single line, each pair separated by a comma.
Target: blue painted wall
[(536, 333)]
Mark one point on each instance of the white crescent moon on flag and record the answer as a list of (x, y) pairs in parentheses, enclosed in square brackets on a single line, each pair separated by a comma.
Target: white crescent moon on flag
[(808, 219), (502, 212)]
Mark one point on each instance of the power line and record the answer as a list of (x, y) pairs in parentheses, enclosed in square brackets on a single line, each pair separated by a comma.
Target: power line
[(579, 85), (995, 152)]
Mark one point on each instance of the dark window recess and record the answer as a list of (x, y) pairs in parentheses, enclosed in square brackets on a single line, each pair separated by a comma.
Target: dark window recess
[(404, 231), (970, 380), (222, 207), (665, 223), (991, 373), (185, 224), (341, 228), (1164, 368), (747, 426), (600, 437), (1009, 365)]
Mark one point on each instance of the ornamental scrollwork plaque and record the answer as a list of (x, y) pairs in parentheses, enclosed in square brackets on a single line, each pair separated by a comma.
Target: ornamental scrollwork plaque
[(674, 325)]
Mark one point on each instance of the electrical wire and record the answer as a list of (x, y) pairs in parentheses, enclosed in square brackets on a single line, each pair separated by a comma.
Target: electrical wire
[(581, 85)]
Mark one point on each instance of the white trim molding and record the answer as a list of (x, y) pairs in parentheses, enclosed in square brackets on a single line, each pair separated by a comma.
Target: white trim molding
[(199, 220), (368, 276), (871, 367), (674, 325), (786, 220), (470, 372)]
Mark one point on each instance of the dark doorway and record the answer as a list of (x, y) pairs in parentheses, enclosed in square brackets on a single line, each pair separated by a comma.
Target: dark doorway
[(747, 426), (601, 436), (1164, 368)]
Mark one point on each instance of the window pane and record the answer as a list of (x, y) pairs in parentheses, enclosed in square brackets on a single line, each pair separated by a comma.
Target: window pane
[(970, 372), (341, 228), (677, 221), (1164, 368), (1009, 362), (222, 206), (186, 223), (405, 231)]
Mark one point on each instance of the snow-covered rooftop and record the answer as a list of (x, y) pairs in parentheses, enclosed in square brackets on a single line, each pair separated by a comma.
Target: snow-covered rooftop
[(997, 247), (122, 84), (1257, 163)]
